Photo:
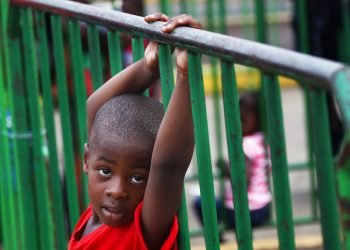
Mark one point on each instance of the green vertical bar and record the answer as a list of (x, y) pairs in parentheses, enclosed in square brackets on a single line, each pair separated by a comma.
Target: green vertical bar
[(214, 77), (303, 41), (167, 83), (260, 21), (310, 152), (281, 186), (41, 182), (345, 47), (56, 27), (55, 177), (138, 51), (236, 156), (18, 100), (245, 12), (183, 6), (210, 15), (222, 17), (203, 152), (341, 89), (115, 53), (300, 6), (95, 56), (7, 204), (4, 8), (217, 110), (165, 7), (325, 171), (166, 72), (193, 8), (79, 97)]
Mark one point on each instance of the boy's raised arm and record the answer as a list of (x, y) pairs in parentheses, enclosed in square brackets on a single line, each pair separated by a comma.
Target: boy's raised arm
[(172, 152), (132, 80)]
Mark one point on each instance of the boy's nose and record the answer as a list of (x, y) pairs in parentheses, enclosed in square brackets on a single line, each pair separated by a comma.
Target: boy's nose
[(117, 190)]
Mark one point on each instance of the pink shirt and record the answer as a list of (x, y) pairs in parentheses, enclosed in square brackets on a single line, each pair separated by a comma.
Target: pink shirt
[(259, 194)]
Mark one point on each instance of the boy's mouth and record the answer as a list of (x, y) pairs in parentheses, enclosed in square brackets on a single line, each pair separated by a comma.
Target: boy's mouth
[(112, 213)]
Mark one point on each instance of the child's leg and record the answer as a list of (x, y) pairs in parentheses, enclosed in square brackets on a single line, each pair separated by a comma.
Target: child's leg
[(197, 206), (230, 221), (260, 216)]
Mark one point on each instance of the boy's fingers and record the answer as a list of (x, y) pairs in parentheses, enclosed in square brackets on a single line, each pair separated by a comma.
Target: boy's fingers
[(156, 17), (182, 20)]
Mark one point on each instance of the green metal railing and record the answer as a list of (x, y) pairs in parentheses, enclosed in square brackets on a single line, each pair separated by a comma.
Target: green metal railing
[(49, 194)]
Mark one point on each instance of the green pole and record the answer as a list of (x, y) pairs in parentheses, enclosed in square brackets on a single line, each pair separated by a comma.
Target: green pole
[(222, 17), (214, 77), (95, 56), (41, 181), (341, 91), (203, 152), (138, 51), (115, 53), (236, 156), (167, 83), (80, 97), (55, 177), (7, 201), (72, 194), (345, 35), (260, 21), (18, 100), (183, 6), (325, 171), (301, 9), (165, 7), (280, 178)]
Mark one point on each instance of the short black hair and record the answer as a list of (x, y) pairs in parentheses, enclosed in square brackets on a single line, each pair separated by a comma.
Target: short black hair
[(249, 101), (126, 116)]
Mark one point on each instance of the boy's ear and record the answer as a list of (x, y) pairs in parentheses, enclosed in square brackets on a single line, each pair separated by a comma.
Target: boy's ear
[(86, 157)]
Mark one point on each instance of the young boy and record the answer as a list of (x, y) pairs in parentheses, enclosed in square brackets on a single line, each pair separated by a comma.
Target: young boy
[(135, 172)]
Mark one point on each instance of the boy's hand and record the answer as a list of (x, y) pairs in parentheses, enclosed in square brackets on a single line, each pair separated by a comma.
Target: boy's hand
[(181, 54), (151, 52)]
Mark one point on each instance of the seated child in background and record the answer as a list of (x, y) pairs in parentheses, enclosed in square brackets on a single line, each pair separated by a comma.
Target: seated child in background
[(135, 159), (257, 167)]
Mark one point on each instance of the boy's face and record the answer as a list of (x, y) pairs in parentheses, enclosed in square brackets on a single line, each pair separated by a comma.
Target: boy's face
[(117, 172)]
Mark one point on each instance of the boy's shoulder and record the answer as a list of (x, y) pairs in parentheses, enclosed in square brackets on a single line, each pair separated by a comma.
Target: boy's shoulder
[(108, 237)]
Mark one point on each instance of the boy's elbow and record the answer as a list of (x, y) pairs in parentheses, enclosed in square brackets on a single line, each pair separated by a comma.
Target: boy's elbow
[(174, 162)]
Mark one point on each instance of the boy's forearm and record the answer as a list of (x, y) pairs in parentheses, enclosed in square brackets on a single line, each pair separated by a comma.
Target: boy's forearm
[(175, 140), (134, 80)]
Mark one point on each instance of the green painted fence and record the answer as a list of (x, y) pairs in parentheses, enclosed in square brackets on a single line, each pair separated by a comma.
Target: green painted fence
[(41, 47)]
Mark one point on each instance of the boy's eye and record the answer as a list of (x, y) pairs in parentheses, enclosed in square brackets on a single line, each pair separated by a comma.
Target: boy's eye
[(104, 172), (137, 179)]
